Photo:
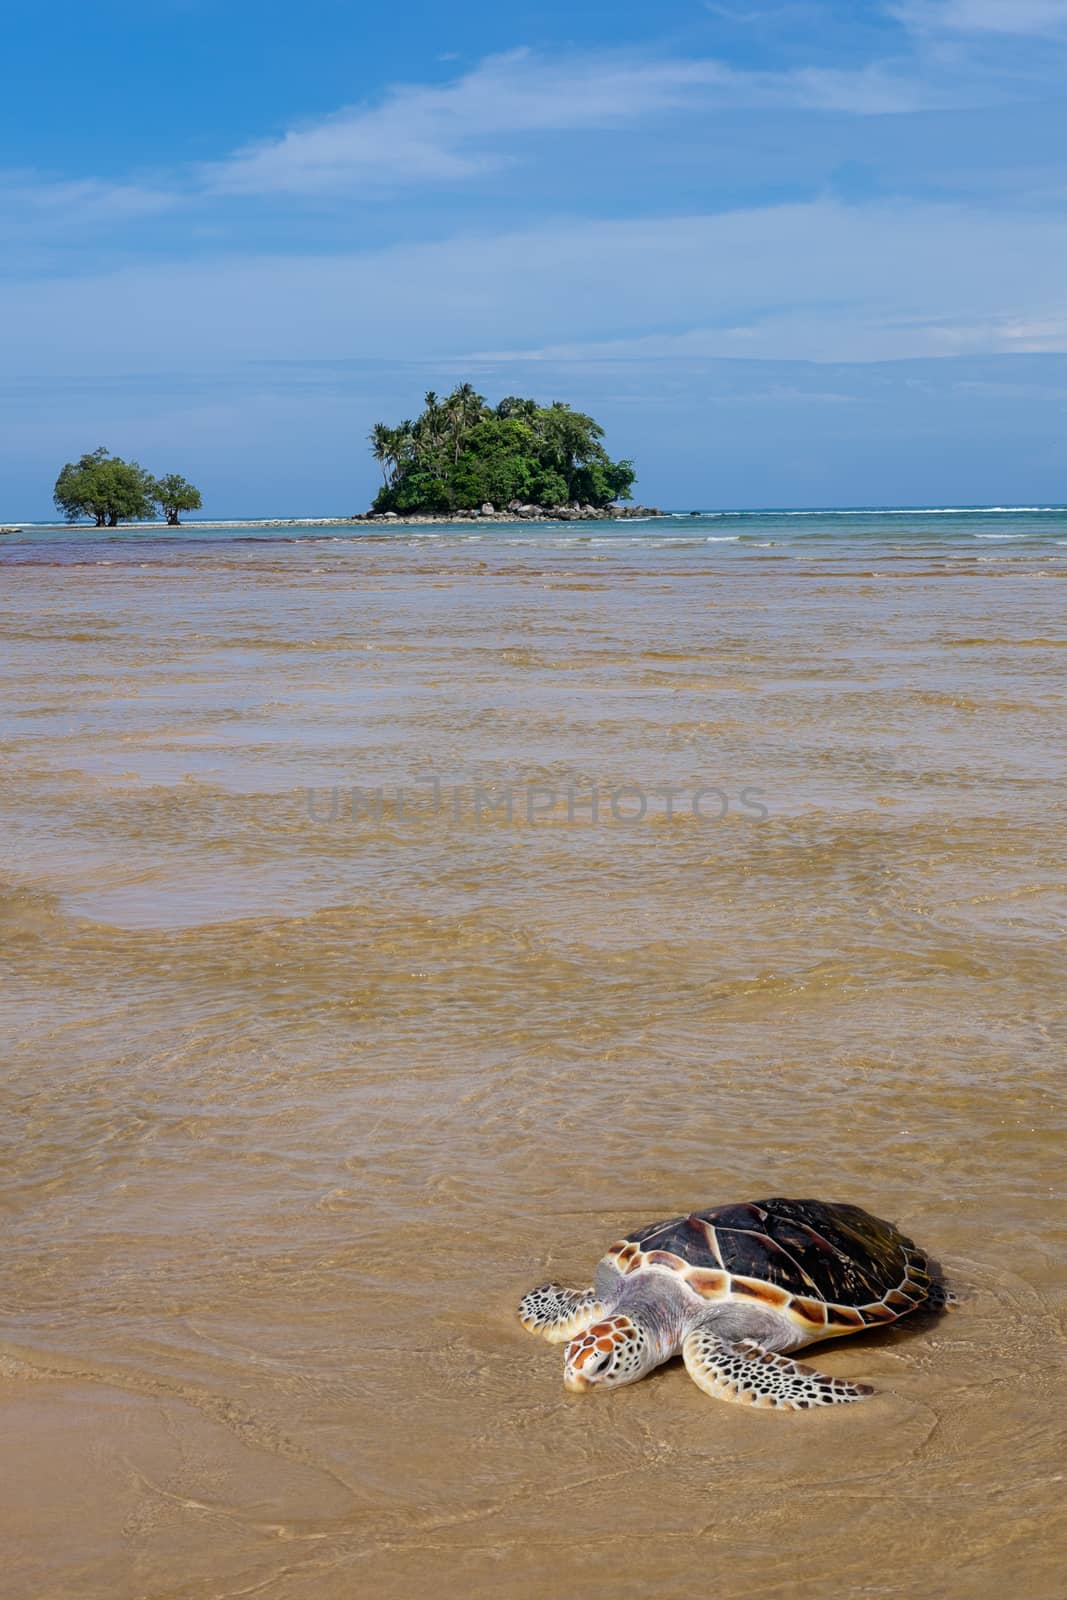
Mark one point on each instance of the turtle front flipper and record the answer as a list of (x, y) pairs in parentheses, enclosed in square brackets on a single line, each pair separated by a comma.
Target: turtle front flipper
[(559, 1314), (749, 1375)]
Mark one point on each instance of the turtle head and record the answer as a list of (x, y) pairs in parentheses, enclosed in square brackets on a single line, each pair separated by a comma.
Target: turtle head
[(615, 1351)]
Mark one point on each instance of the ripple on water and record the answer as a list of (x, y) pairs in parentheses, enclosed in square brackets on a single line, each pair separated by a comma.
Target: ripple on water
[(298, 1105)]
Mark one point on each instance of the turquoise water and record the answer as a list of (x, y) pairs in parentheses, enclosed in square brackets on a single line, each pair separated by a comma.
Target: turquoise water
[(1030, 532)]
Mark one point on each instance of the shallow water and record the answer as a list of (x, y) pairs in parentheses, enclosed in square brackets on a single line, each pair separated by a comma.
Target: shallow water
[(314, 1067)]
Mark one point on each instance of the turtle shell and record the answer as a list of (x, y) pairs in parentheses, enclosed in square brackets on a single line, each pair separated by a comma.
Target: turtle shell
[(832, 1268)]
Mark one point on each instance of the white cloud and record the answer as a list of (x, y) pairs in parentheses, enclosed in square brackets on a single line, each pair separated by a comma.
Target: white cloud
[(33, 203), (1030, 335), (1022, 17), (874, 90), (490, 116), (820, 281), (441, 133), (794, 335), (421, 132)]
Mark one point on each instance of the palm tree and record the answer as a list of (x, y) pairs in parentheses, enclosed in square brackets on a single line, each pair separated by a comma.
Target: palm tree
[(406, 442), (514, 405), (464, 406), (428, 427), (428, 434), (380, 438)]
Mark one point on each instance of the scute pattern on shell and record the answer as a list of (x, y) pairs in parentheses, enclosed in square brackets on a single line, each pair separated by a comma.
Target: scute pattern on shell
[(829, 1266)]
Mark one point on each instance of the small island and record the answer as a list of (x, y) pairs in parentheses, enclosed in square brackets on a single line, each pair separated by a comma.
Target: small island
[(462, 459)]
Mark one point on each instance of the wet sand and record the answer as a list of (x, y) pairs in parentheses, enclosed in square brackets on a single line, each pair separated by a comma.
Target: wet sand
[(296, 1105)]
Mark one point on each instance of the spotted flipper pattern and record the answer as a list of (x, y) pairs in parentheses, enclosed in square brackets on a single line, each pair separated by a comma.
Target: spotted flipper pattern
[(749, 1375), (558, 1314)]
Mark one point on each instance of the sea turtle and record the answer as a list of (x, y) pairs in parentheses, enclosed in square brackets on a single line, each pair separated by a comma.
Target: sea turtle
[(730, 1288)]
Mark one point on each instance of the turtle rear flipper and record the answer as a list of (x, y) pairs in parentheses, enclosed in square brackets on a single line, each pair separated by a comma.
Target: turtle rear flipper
[(559, 1314), (749, 1375)]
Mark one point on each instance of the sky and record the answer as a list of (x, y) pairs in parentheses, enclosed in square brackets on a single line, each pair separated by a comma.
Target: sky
[(788, 252)]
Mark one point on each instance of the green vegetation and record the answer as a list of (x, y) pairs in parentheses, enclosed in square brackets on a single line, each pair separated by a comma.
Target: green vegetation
[(176, 494), (110, 490), (461, 453)]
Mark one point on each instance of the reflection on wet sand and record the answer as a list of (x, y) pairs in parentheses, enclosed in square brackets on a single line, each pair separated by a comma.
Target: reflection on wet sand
[(297, 1105)]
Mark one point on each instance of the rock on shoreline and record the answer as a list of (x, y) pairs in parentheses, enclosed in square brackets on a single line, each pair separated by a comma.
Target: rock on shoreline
[(516, 511)]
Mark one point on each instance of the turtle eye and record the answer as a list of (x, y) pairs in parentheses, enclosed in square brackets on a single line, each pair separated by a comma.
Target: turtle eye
[(595, 1368)]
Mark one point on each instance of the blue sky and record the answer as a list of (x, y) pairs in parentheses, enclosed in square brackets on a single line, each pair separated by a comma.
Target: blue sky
[(802, 252)]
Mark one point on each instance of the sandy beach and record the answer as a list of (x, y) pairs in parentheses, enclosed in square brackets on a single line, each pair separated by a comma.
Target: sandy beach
[(391, 922)]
